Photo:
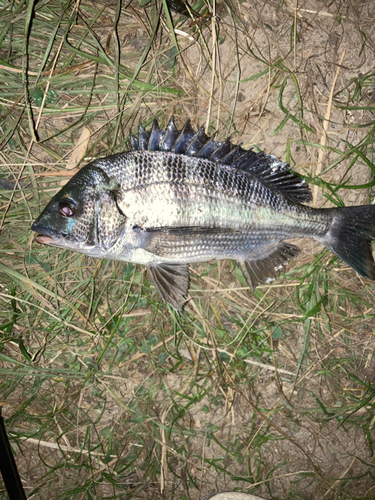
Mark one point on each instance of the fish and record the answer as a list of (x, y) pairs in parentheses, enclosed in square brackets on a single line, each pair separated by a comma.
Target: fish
[(180, 197)]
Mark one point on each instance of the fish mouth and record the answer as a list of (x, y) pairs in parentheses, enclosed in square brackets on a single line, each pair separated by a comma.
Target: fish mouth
[(44, 235), (51, 238)]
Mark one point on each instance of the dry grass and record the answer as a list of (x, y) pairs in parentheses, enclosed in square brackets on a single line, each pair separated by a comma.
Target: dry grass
[(108, 394)]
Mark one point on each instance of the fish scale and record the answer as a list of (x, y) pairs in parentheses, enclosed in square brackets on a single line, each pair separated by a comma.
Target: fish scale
[(180, 197), (198, 183)]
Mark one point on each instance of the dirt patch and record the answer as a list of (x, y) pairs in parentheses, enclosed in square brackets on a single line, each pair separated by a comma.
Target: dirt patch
[(107, 393)]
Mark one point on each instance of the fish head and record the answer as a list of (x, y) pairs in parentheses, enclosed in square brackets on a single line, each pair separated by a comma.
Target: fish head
[(83, 216)]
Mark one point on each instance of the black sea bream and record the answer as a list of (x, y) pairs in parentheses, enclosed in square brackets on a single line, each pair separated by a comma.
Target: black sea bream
[(180, 197)]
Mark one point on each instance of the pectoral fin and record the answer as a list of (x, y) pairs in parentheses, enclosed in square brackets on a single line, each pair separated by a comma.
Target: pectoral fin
[(172, 282), (269, 266)]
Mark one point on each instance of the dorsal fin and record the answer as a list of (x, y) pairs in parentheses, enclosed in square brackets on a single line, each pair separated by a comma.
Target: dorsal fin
[(184, 139), (208, 148), (266, 168), (156, 137), (198, 140), (134, 142), (170, 136), (275, 174), (222, 151), (143, 137)]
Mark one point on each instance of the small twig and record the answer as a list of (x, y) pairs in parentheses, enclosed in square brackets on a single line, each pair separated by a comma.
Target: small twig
[(268, 367), (164, 462), (341, 477), (320, 13), (62, 447), (214, 43), (323, 139), (184, 34), (141, 354)]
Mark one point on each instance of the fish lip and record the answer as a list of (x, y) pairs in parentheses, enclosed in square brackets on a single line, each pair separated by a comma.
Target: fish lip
[(44, 235), (42, 230), (45, 240)]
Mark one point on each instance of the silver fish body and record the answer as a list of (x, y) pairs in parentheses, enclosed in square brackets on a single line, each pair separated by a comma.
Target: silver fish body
[(180, 197), (187, 209)]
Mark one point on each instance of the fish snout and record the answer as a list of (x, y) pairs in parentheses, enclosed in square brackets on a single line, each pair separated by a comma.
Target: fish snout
[(44, 235)]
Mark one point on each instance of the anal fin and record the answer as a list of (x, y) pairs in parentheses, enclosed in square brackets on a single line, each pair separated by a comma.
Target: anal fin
[(172, 282), (269, 266)]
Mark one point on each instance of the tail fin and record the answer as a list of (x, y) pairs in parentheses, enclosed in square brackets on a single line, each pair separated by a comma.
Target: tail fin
[(350, 236)]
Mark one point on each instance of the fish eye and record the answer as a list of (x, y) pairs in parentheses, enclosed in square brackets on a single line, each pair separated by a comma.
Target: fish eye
[(67, 208)]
